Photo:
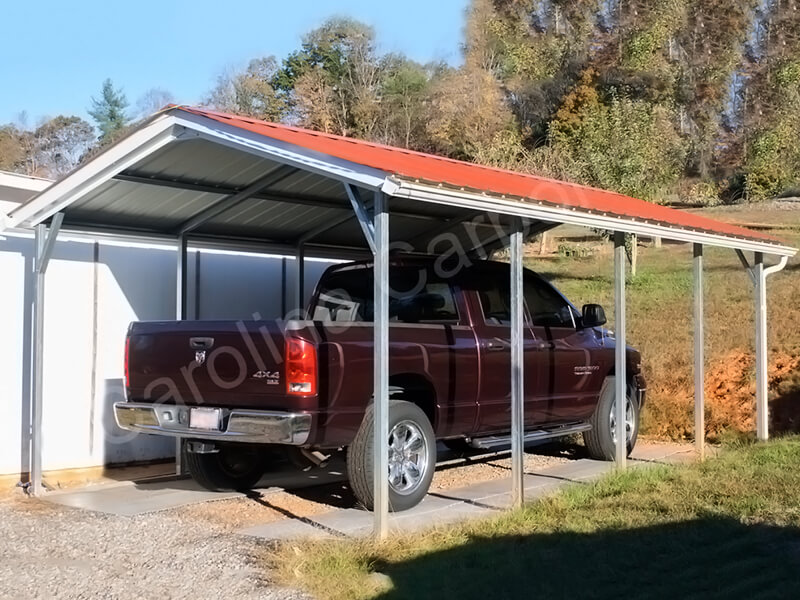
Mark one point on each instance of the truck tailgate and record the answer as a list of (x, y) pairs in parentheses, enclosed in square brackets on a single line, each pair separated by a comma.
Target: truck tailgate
[(218, 363)]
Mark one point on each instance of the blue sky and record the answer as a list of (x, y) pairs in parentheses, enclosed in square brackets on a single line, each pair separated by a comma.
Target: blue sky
[(56, 53)]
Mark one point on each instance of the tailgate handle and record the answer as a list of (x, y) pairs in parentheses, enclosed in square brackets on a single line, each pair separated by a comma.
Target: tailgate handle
[(201, 343)]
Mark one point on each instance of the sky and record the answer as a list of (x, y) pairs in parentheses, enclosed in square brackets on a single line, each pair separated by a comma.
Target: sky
[(55, 54)]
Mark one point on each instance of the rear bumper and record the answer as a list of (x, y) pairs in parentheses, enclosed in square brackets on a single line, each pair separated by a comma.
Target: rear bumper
[(252, 426)]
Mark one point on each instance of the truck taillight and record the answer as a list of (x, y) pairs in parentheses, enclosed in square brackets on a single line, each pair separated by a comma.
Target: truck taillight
[(127, 362), (301, 368)]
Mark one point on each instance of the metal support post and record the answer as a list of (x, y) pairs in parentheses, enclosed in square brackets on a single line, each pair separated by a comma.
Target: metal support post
[(620, 375), (181, 304), (300, 273), (517, 368), (699, 354), (762, 425), (381, 367), (45, 242)]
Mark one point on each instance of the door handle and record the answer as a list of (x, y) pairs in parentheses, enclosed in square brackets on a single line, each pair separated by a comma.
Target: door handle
[(201, 343), (496, 345), (545, 345)]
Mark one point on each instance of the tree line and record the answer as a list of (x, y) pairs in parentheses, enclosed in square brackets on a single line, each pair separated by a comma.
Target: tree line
[(669, 100)]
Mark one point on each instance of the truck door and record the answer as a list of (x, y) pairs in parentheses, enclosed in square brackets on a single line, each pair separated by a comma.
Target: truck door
[(566, 375), (492, 328)]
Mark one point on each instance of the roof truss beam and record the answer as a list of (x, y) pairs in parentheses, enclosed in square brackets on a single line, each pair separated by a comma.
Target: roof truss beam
[(367, 226), (228, 202)]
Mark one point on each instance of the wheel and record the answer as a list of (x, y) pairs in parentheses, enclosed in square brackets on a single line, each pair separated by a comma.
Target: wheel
[(236, 467), (412, 457), (601, 439)]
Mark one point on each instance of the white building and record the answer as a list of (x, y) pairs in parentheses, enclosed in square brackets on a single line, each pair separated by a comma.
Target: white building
[(97, 285)]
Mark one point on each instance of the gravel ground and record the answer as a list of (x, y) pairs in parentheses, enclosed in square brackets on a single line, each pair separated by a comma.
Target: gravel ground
[(48, 551)]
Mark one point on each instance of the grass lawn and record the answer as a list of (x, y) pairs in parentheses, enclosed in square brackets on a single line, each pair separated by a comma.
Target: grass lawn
[(727, 528), (660, 324)]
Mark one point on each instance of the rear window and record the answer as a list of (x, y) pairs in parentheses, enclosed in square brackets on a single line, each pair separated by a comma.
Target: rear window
[(416, 296)]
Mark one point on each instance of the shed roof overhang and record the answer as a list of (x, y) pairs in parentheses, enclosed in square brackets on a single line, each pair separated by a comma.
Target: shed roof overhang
[(213, 176)]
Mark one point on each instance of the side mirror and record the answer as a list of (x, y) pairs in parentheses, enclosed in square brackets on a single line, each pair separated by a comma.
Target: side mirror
[(593, 315)]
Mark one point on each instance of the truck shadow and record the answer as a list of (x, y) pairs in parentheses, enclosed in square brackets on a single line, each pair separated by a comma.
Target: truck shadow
[(709, 557)]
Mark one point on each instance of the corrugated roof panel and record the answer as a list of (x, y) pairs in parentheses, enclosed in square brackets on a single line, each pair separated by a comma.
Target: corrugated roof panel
[(436, 170)]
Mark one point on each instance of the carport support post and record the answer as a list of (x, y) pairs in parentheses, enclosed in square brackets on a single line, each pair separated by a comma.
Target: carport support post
[(517, 370), (762, 426), (620, 377), (699, 354), (44, 250), (300, 284), (181, 303), (381, 368)]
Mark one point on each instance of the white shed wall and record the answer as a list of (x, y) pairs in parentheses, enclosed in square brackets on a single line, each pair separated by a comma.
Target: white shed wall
[(93, 290)]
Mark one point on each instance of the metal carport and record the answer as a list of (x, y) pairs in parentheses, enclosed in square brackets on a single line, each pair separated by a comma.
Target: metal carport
[(193, 175)]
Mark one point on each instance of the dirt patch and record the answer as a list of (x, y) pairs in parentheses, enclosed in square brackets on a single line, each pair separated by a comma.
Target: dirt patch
[(730, 399)]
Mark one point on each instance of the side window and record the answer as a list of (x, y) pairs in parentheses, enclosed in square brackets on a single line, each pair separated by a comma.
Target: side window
[(546, 306), (425, 302), (346, 296), (495, 302)]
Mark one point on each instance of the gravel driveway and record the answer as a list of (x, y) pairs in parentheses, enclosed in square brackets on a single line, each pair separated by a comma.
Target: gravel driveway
[(47, 551), (51, 551)]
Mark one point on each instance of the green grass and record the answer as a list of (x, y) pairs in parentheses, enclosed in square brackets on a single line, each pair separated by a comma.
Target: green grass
[(727, 528)]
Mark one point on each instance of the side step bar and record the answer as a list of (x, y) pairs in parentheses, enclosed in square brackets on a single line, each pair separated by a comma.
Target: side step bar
[(485, 443)]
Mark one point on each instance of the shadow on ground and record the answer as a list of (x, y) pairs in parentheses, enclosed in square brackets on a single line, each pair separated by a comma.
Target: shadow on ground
[(784, 408), (705, 558)]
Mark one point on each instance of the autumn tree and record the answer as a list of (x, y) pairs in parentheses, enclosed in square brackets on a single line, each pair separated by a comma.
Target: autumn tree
[(250, 92), (332, 83)]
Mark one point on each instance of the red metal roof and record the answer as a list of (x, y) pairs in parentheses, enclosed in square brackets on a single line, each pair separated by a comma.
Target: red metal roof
[(428, 168)]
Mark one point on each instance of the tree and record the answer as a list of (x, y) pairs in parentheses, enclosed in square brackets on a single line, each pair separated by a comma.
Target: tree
[(152, 101), (468, 111), (250, 92), (60, 144), (404, 90), (333, 82), (12, 149), (109, 112)]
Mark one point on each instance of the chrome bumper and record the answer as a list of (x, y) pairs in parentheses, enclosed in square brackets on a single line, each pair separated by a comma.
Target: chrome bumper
[(254, 426)]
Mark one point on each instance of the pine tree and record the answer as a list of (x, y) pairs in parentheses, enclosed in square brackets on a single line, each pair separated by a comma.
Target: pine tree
[(109, 112)]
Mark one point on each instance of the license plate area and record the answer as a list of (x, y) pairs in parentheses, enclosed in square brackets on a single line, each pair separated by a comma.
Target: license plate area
[(208, 419)]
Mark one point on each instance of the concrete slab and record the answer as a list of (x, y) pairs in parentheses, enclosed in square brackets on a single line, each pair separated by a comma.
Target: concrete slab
[(130, 498), (442, 507)]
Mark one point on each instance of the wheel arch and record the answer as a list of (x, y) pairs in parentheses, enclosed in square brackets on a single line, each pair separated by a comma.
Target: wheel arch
[(416, 389)]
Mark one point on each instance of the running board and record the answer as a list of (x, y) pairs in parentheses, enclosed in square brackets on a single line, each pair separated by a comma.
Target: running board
[(485, 443)]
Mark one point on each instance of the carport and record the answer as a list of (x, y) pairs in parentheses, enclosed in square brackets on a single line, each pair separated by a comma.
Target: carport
[(195, 176)]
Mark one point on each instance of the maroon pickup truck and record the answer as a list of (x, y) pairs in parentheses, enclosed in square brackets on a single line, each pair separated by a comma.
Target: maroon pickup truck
[(237, 391)]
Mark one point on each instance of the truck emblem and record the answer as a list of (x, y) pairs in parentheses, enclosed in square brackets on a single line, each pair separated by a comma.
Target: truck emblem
[(273, 377), (586, 370), (200, 357)]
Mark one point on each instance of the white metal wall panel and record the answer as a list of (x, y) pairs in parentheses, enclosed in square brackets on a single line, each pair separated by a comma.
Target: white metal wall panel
[(89, 305)]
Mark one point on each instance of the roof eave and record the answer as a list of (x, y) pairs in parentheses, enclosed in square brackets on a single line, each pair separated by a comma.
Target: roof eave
[(538, 210)]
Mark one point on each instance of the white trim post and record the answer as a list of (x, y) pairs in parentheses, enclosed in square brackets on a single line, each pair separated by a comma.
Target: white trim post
[(381, 368), (517, 368), (45, 243), (762, 410), (181, 304), (620, 355), (699, 354)]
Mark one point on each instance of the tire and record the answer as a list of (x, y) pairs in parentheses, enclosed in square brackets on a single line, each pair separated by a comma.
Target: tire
[(600, 440), (235, 468), (406, 422)]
